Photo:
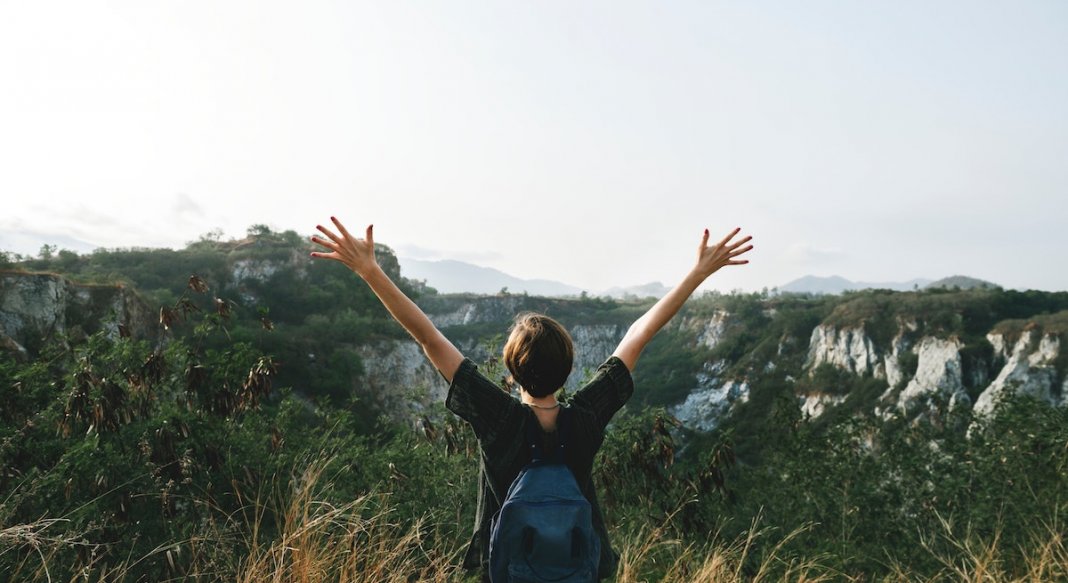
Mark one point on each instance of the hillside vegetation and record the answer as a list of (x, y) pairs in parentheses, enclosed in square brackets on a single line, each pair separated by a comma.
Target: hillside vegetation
[(236, 440)]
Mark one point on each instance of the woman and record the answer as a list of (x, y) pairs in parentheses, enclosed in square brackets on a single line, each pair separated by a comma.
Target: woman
[(539, 355)]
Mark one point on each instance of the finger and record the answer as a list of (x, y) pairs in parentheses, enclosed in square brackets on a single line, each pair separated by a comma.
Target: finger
[(739, 262), (704, 239), (728, 237), (329, 245), (740, 242), (329, 233), (342, 228), (740, 251), (319, 255), (371, 236)]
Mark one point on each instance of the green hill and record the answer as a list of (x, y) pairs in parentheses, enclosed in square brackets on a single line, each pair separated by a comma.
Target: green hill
[(144, 452)]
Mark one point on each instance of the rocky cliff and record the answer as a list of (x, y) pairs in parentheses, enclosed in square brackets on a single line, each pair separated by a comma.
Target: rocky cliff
[(918, 370), (1028, 361), (894, 354), (1034, 366), (404, 381), (921, 367), (37, 306), (938, 376), (849, 349)]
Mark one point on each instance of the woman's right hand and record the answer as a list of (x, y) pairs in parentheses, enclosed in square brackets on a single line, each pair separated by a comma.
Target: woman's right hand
[(357, 254), (711, 259)]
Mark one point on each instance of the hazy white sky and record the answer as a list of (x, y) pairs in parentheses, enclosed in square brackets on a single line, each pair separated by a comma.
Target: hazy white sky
[(587, 142)]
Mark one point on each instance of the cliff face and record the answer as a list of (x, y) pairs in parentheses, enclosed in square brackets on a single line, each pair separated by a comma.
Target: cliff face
[(400, 377), (892, 352), (476, 310), (919, 372), (712, 398), (708, 332), (849, 349), (1030, 369), (1026, 365), (34, 306), (938, 375), (715, 392)]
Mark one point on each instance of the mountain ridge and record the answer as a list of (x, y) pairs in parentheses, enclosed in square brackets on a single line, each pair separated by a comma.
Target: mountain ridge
[(454, 276), (836, 284)]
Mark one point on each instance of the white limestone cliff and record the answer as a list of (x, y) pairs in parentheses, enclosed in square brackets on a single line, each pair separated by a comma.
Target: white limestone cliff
[(398, 375), (37, 305), (711, 399), (479, 310), (255, 269), (938, 374), (815, 404), (707, 331), (849, 349), (1029, 370), (594, 343), (899, 345)]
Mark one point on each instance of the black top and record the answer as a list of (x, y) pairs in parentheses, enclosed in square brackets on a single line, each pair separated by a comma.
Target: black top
[(500, 424)]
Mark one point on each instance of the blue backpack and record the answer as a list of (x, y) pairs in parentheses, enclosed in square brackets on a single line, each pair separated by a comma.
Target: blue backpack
[(544, 529)]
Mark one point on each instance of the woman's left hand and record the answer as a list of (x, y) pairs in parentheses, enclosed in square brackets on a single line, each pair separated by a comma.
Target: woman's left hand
[(357, 254)]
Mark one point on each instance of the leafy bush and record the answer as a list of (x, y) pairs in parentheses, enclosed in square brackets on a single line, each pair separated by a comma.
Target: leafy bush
[(232, 445)]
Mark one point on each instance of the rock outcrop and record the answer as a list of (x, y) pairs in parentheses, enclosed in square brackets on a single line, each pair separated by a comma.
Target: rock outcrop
[(891, 370), (707, 331), (815, 404), (478, 310), (711, 399), (849, 349), (35, 306), (400, 377), (594, 343), (1030, 369), (255, 269), (938, 375)]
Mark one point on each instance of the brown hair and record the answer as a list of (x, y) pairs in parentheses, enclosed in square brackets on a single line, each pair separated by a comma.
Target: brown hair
[(539, 353)]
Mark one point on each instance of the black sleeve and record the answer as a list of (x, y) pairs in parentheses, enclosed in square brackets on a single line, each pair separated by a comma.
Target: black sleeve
[(606, 394), (479, 401)]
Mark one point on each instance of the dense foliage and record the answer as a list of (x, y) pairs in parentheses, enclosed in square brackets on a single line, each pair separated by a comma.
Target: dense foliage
[(179, 454)]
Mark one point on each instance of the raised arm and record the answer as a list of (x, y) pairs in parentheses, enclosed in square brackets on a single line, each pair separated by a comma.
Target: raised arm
[(709, 261), (359, 256)]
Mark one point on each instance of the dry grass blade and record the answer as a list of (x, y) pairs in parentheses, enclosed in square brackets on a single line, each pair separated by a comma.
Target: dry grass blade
[(33, 535), (652, 557), (354, 542)]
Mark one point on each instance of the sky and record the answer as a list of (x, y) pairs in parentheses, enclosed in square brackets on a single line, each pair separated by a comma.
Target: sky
[(585, 142)]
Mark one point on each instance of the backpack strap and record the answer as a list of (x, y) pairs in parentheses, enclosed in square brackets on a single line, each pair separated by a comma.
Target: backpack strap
[(535, 439)]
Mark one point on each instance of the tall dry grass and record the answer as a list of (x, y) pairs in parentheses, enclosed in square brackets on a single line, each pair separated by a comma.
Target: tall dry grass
[(357, 542), (297, 537), (975, 559), (654, 555), (292, 537)]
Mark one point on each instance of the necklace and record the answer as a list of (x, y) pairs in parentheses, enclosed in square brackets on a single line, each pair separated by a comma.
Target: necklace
[(537, 406)]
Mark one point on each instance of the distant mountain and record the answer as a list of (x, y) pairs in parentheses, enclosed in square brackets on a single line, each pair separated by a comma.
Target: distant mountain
[(448, 276), (653, 289), (962, 282), (834, 284)]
